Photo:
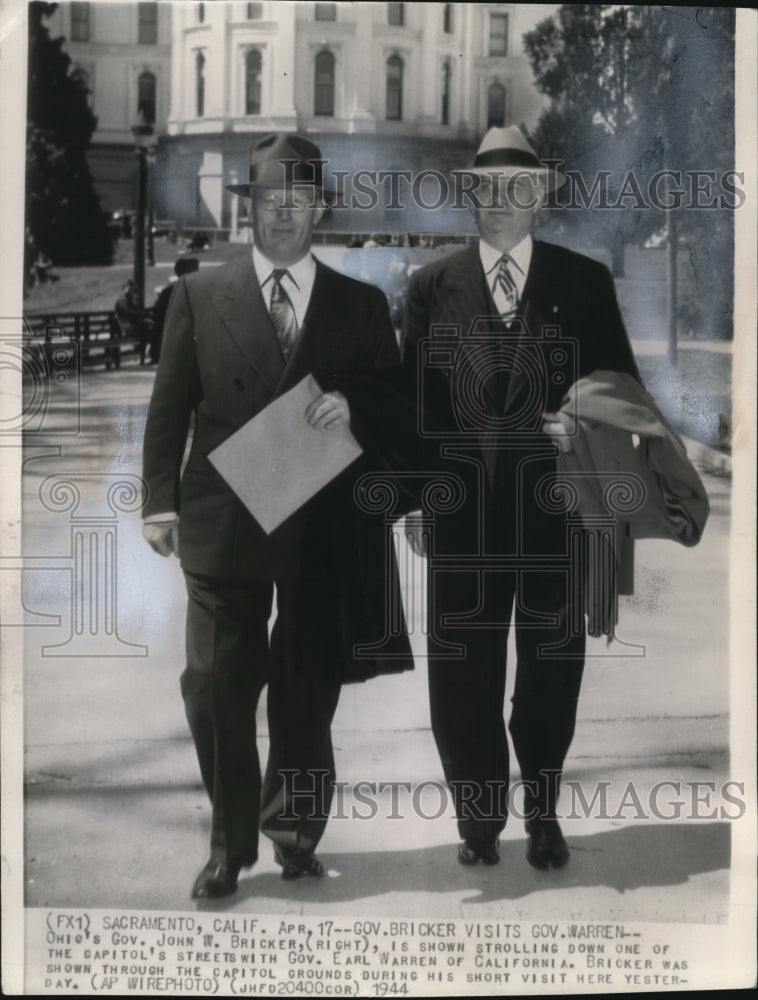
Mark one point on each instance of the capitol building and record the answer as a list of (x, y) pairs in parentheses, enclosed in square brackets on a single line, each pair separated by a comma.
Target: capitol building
[(380, 87)]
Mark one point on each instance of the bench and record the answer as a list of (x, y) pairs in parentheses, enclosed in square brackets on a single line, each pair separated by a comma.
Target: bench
[(98, 335)]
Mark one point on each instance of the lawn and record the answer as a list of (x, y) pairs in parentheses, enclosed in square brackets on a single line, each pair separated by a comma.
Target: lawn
[(81, 289)]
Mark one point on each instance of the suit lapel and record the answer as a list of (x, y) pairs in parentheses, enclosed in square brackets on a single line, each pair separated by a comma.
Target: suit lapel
[(324, 329), (466, 296), (243, 312), (538, 308), (540, 302), (473, 310)]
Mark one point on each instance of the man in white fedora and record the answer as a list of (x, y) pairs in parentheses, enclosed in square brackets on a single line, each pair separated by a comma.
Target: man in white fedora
[(493, 336), (235, 338)]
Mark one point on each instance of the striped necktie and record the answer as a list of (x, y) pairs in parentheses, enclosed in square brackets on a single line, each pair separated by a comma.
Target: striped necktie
[(505, 283), (283, 313)]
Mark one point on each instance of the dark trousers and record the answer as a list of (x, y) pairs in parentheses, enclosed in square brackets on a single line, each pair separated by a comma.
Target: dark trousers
[(467, 699), (230, 658)]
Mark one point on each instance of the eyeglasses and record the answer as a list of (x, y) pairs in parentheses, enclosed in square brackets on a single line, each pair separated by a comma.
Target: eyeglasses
[(289, 201), (522, 191)]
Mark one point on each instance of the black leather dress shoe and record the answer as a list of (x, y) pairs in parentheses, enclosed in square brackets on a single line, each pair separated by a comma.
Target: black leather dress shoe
[(546, 847), (471, 852), (295, 864), (217, 879)]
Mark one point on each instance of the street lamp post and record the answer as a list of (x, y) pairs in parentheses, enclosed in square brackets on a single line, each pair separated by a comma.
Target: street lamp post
[(143, 140), (150, 206)]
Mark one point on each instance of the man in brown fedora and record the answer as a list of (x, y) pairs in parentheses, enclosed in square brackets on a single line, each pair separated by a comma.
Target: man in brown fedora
[(493, 336), (235, 338)]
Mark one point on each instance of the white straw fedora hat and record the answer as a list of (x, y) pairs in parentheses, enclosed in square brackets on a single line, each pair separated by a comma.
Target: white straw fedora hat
[(506, 151)]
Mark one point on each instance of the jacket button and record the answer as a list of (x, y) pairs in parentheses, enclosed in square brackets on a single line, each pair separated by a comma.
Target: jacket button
[(238, 386)]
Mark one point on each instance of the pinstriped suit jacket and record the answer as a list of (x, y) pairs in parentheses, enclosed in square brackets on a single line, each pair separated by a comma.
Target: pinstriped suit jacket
[(568, 324)]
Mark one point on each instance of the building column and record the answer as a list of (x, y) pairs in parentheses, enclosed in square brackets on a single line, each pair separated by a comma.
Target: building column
[(238, 206), (234, 205), (469, 81), (211, 187), (362, 70), (429, 84), (283, 106), (176, 111)]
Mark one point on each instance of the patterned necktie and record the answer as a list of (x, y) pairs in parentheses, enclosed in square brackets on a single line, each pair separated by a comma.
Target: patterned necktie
[(504, 281), (283, 313)]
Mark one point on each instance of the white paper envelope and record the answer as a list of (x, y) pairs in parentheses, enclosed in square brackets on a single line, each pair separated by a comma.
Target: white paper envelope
[(277, 461)]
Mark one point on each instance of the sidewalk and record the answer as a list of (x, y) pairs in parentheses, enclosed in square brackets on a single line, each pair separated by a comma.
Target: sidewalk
[(116, 816)]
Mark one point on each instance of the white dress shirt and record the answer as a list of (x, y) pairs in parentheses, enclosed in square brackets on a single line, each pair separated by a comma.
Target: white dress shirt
[(521, 255), (297, 283)]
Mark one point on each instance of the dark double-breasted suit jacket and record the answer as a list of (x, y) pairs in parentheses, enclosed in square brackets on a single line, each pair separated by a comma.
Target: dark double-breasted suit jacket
[(482, 386), (221, 364)]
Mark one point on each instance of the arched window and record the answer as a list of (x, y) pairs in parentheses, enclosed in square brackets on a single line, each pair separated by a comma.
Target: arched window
[(447, 73), (447, 18), (253, 66), (495, 105), (200, 13), (146, 99), (323, 88), (200, 84), (394, 87)]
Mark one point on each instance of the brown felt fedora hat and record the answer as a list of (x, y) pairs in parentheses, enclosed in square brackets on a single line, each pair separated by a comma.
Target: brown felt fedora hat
[(281, 160), (506, 151)]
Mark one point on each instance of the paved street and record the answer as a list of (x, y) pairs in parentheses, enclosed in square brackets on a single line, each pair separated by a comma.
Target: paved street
[(115, 814)]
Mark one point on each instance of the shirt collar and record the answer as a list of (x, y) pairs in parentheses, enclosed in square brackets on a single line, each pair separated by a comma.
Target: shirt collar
[(521, 255), (302, 272)]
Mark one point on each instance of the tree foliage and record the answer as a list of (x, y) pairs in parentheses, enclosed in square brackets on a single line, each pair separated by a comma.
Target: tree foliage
[(690, 96), (63, 211), (588, 60), (635, 90)]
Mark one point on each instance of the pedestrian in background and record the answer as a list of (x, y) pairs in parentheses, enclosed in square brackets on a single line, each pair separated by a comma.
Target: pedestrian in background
[(132, 318), (183, 265)]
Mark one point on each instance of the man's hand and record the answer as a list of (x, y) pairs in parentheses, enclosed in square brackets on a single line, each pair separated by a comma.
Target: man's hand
[(328, 411), (414, 533), (162, 536), (561, 428)]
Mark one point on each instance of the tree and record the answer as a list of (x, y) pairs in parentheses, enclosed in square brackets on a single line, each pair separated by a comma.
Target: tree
[(587, 60), (690, 95), (633, 91), (63, 211)]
